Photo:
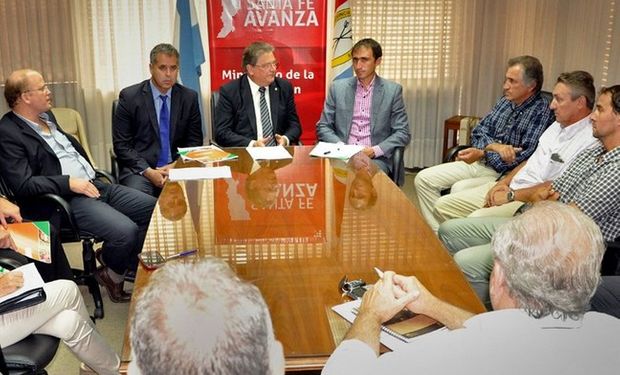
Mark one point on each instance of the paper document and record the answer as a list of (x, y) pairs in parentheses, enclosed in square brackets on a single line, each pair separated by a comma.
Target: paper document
[(32, 280), (206, 173), (269, 153), (32, 239), (335, 150)]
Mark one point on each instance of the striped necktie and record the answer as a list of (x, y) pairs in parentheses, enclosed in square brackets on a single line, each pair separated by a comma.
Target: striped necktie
[(265, 119)]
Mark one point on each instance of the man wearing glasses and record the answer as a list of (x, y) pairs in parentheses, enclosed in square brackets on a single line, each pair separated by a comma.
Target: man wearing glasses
[(38, 157), (258, 109), (153, 119)]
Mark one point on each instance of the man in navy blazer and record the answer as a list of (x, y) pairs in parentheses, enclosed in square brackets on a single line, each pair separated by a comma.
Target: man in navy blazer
[(143, 149), (366, 110), (38, 157), (238, 118)]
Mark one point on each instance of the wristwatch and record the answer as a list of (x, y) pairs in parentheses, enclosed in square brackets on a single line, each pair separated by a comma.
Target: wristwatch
[(510, 196)]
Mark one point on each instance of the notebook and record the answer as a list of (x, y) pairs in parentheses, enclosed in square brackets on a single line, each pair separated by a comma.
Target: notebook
[(403, 328), (31, 293)]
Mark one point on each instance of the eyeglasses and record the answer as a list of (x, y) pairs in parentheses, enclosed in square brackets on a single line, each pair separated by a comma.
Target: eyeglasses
[(43, 88), (268, 65)]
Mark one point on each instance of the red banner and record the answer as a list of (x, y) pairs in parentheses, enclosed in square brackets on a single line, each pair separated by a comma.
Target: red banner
[(296, 28)]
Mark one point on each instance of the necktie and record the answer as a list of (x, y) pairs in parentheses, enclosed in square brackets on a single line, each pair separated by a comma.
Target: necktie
[(164, 133), (265, 119)]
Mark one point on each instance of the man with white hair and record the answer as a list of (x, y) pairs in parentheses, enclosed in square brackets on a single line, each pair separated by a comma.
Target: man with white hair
[(200, 318), (546, 269)]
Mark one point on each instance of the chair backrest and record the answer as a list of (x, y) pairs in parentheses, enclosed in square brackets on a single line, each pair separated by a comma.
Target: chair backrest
[(71, 122), (215, 97), (467, 125)]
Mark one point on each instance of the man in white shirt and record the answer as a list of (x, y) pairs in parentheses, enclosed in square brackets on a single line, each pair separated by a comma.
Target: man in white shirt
[(573, 101), (547, 267)]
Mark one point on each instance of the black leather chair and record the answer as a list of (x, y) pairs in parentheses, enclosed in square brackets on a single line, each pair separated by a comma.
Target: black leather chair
[(31, 355), (611, 259), (69, 232), (398, 166), (215, 97), (113, 160)]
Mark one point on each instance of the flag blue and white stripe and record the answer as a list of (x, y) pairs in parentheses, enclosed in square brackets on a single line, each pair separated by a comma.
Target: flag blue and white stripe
[(189, 43)]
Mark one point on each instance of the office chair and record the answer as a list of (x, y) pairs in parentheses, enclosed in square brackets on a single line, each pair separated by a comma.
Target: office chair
[(113, 159), (31, 355)]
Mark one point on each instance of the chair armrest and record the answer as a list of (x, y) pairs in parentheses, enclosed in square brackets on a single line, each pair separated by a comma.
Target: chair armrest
[(453, 152), (100, 173), (398, 166), (69, 231), (114, 164)]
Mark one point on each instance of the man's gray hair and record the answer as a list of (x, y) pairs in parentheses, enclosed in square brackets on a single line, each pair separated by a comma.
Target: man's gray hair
[(532, 70), (200, 318), (551, 256), (166, 49), (252, 52)]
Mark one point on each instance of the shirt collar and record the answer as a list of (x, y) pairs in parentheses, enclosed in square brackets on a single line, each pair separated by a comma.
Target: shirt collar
[(157, 93), (254, 87), (43, 116), (529, 101), (370, 86)]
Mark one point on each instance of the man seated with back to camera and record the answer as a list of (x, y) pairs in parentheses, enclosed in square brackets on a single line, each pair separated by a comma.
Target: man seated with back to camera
[(200, 318), (547, 267)]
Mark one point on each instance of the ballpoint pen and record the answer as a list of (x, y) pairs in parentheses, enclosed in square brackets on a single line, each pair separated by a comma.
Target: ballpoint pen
[(379, 272), (182, 254)]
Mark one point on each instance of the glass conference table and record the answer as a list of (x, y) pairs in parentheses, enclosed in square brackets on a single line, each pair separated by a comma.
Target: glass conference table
[(294, 228)]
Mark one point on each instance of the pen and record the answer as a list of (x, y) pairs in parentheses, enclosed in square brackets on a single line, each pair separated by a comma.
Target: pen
[(327, 152), (379, 272), (182, 254)]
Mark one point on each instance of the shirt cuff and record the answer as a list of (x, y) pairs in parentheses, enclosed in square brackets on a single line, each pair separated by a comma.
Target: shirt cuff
[(378, 151), (351, 357)]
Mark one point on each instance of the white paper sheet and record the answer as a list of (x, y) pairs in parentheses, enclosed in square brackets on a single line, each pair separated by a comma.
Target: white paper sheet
[(269, 153), (206, 173), (335, 150)]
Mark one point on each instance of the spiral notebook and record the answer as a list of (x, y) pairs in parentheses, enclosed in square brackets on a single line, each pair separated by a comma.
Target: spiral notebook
[(403, 328)]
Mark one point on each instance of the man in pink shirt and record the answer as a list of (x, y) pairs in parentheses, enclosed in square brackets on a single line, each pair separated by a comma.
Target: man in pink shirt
[(366, 109)]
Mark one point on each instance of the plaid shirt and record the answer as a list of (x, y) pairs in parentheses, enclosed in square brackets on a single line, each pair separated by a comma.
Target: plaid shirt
[(591, 182), (519, 126)]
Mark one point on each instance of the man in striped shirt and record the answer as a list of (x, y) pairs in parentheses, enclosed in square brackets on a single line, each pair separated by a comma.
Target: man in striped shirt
[(366, 110)]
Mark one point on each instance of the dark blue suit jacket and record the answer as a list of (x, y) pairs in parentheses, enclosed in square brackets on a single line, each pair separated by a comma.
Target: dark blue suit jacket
[(135, 127), (235, 121)]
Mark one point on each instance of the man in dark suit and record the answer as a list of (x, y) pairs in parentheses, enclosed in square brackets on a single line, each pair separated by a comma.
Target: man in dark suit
[(146, 138), (257, 109), (366, 109), (37, 157)]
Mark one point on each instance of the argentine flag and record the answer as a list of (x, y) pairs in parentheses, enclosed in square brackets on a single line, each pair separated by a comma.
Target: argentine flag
[(188, 42)]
